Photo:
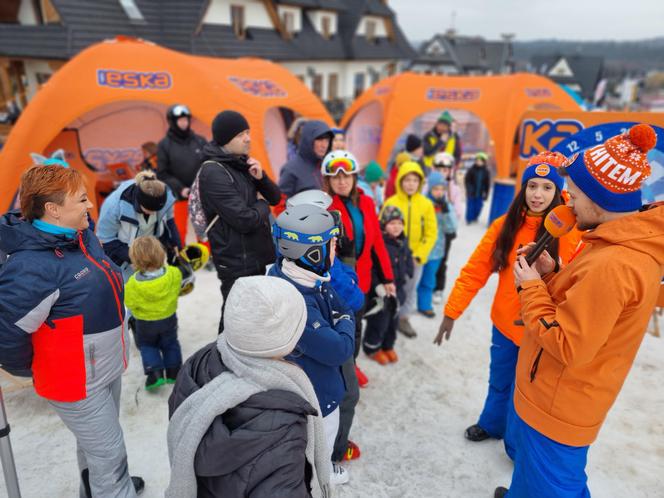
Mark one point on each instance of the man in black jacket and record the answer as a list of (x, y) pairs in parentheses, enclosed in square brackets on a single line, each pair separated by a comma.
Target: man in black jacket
[(478, 185), (234, 187), (178, 160)]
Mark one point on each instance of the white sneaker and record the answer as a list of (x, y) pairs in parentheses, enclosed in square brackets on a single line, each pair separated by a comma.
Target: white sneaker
[(438, 297), (339, 475)]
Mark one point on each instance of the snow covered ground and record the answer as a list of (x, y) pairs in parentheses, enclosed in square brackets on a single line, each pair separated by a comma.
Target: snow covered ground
[(409, 422)]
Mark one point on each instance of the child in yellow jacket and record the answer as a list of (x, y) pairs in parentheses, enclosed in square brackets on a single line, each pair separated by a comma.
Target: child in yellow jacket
[(421, 228), (151, 294)]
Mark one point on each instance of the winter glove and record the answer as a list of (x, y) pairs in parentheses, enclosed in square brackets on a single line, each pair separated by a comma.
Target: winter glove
[(444, 330), (336, 317)]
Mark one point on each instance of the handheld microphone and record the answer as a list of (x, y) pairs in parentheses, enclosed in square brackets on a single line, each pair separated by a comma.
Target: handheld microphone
[(558, 222)]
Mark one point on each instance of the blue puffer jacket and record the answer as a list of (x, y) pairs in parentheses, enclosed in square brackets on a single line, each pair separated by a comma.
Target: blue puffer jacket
[(61, 311), (324, 345), (344, 282), (120, 222), (445, 215)]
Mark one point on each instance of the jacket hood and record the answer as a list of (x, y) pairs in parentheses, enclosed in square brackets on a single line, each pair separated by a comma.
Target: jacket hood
[(404, 169), (212, 151), (245, 432), (435, 180), (642, 231), (312, 130), (18, 234)]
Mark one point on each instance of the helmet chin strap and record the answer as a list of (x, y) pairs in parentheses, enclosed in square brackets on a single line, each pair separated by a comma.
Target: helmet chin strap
[(318, 259)]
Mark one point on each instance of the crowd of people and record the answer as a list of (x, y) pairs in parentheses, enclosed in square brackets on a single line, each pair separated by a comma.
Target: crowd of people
[(330, 261)]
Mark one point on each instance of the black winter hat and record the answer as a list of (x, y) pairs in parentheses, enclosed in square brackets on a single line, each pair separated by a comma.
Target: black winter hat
[(226, 125), (413, 142)]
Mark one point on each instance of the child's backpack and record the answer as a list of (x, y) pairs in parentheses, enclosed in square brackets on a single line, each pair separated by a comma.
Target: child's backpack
[(196, 212)]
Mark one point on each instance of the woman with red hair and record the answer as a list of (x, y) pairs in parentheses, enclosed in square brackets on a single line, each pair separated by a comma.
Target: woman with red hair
[(62, 321)]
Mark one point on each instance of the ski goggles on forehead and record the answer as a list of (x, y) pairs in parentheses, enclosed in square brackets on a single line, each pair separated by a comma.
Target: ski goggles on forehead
[(304, 238), (181, 111), (332, 168)]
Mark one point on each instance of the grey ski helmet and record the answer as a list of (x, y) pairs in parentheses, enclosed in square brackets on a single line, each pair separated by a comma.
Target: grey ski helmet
[(304, 234), (315, 197)]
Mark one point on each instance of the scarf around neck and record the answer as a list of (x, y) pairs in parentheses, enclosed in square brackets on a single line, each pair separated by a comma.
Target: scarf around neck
[(303, 277), (246, 376)]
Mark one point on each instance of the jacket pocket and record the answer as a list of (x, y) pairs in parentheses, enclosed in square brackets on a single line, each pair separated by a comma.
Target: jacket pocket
[(535, 364), (58, 365), (92, 361)]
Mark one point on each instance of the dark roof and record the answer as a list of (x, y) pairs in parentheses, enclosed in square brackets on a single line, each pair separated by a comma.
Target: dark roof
[(467, 53), (33, 41), (220, 41), (587, 71), (315, 4), (377, 8), (176, 24)]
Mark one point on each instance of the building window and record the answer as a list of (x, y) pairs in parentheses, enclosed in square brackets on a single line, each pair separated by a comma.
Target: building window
[(317, 85), (359, 84), (132, 11), (370, 29), (237, 20), (326, 24), (288, 20), (333, 86)]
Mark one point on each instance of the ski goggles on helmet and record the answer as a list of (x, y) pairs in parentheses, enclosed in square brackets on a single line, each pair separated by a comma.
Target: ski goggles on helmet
[(334, 164), (305, 238), (180, 111)]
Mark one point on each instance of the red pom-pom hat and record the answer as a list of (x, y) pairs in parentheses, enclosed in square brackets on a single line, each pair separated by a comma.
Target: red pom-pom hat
[(612, 173)]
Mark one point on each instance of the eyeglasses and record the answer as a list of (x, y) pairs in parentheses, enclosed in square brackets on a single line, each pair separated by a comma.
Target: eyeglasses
[(181, 111), (344, 164)]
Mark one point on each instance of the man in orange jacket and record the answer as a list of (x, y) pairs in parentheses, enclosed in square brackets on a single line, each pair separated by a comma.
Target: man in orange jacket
[(584, 324)]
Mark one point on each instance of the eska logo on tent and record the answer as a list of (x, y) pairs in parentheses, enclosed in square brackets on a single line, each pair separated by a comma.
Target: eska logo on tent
[(453, 94), (259, 88), (134, 80)]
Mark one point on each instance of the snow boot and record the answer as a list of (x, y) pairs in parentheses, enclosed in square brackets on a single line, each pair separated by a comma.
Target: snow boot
[(500, 492), (362, 378), (437, 297), (172, 374), (476, 433), (353, 451), (391, 355), (339, 475), (85, 482), (154, 379), (380, 357), (406, 328), (139, 484), (428, 313)]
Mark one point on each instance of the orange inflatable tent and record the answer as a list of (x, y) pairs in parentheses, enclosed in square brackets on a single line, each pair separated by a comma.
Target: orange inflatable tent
[(380, 116), (112, 97)]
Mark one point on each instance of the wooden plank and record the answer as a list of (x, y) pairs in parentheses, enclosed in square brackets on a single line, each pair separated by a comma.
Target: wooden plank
[(276, 21)]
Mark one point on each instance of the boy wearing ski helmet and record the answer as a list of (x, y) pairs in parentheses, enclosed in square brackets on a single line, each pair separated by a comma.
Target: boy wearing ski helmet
[(305, 237)]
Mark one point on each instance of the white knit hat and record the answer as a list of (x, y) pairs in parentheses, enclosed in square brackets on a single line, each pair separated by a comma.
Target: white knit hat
[(264, 317)]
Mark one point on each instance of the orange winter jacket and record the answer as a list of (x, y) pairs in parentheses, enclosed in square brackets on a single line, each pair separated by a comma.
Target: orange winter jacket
[(506, 309), (584, 326)]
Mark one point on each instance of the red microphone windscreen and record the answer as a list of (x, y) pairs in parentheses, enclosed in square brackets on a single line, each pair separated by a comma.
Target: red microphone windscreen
[(560, 221)]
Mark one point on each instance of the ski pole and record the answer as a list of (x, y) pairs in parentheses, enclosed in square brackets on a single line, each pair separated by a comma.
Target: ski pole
[(6, 455)]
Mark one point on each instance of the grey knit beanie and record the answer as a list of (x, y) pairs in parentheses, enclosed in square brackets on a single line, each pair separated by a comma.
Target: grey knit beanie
[(264, 317)]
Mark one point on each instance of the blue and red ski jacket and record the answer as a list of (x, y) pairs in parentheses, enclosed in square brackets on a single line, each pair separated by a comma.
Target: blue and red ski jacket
[(61, 311)]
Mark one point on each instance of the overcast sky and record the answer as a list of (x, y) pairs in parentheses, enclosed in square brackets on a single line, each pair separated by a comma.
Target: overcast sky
[(533, 19)]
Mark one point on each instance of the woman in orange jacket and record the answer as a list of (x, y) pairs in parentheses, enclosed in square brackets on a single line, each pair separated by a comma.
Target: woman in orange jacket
[(541, 189)]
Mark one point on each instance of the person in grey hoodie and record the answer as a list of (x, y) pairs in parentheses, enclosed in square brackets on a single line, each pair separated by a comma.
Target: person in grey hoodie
[(302, 172), (243, 421)]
